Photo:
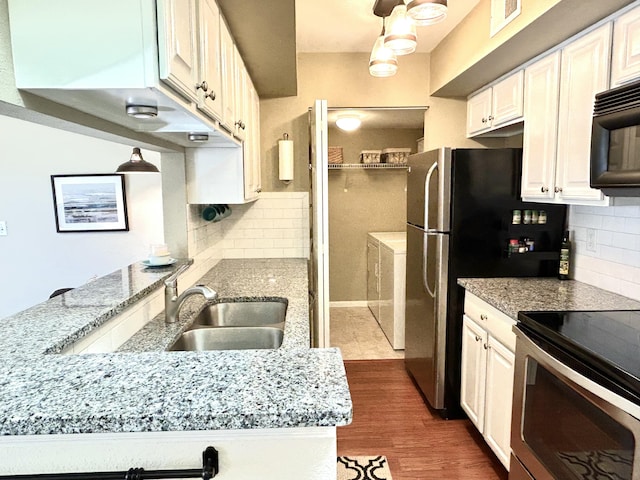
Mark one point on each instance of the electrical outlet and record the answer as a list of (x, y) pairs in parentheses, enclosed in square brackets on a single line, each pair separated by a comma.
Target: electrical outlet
[(591, 240), (3, 228)]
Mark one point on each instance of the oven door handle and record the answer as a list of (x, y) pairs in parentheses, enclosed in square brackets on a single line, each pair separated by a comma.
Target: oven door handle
[(605, 399)]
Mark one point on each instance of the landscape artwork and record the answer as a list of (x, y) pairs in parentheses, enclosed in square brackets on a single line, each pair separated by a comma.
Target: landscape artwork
[(89, 203)]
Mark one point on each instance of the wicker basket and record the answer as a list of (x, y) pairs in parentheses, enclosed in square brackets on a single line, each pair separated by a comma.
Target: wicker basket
[(335, 155)]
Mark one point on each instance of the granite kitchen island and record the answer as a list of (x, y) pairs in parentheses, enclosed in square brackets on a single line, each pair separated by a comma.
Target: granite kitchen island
[(143, 406)]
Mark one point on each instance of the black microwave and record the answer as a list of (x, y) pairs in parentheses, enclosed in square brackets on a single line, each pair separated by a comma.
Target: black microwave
[(615, 141)]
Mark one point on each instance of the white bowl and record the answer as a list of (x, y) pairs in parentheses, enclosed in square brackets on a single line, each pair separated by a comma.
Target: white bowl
[(159, 259)]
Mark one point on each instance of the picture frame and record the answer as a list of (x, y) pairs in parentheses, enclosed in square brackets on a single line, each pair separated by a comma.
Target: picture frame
[(90, 203), (502, 13)]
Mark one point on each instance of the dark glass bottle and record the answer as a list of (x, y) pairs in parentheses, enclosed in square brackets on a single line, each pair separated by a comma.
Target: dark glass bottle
[(565, 254)]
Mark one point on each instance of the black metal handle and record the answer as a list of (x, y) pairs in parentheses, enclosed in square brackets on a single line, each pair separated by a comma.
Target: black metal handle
[(210, 468)]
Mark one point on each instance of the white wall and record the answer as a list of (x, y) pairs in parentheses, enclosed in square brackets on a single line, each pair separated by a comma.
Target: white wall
[(615, 263), (35, 259)]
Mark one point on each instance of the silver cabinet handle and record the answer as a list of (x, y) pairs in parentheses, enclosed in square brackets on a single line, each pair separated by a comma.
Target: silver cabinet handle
[(483, 316), (211, 95), (240, 124), (204, 86), (484, 120), (557, 189), (544, 189), (485, 346), (478, 338), (490, 117), (258, 190)]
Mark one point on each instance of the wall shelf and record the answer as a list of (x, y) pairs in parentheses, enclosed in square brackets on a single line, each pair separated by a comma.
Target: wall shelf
[(361, 166)]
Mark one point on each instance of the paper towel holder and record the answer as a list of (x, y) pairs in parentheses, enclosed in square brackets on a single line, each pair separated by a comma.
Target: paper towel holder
[(285, 159)]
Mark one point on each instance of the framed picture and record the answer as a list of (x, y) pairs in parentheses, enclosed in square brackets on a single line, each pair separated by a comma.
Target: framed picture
[(89, 203), (503, 12)]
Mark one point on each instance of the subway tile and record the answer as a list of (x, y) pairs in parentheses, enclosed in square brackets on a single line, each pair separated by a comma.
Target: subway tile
[(629, 211), (626, 241), (292, 213), (273, 253), (274, 213), (254, 253), (273, 233), (614, 224), (244, 243), (283, 243), (632, 225)]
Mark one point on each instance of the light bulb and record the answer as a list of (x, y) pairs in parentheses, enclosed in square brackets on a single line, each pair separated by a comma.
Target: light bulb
[(401, 35)]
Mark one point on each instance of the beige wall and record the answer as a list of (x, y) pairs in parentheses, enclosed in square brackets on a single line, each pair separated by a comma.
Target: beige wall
[(343, 80), (362, 201), (469, 57)]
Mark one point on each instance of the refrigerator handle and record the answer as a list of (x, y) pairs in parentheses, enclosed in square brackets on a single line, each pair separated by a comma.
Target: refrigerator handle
[(425, 277), (426, 194)]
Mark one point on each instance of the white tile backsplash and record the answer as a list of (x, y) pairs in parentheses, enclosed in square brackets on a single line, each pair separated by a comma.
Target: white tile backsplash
[(275, 226), (615, 264)]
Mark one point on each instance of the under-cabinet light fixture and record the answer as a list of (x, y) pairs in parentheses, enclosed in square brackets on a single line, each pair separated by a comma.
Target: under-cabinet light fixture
[(142, 111), (198, 137), (137, 164)]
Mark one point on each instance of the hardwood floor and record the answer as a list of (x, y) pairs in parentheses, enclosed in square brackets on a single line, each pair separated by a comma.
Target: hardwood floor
[(390, 418)]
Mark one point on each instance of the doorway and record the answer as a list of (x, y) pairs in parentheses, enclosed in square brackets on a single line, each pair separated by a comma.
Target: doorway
[(364, 198)]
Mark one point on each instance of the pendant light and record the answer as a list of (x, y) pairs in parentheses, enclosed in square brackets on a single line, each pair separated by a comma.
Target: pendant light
[(383, 62), (401, 35), (137, 164), (427, 12)]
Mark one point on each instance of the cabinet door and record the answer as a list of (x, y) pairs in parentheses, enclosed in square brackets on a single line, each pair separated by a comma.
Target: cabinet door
[(625, 59), (177, 45), (210, 100), (539, 143), (478, 113), (241, 96), (507, 103), (499, 390), (473, 371), (373, 265), (583, 73), (228, 77), (252, 146)]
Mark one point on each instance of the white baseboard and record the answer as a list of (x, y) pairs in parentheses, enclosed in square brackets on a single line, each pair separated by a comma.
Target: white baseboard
[(356, 303)]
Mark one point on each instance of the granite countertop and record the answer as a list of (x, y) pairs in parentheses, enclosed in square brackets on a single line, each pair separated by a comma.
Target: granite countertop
[(142, 388), (511, 295)]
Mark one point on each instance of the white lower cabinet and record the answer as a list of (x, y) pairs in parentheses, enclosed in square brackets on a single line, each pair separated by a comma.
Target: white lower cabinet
[(487, 367)]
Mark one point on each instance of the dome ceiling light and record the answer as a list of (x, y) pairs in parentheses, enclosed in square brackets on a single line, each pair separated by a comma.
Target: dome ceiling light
[(348, 122)]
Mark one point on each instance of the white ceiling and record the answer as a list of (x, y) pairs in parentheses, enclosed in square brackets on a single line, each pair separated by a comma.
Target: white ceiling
[(350, 25)]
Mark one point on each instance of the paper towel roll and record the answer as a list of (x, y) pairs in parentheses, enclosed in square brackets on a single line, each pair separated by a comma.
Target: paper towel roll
[(285, 155)]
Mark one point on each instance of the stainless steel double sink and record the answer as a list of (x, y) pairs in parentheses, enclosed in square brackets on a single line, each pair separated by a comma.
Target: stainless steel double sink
[(235, 325)]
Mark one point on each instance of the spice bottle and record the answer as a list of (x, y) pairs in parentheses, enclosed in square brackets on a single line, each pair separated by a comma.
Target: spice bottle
[(565, 253)]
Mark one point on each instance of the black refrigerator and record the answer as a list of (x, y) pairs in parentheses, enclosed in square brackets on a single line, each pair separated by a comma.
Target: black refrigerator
[(460, 205)]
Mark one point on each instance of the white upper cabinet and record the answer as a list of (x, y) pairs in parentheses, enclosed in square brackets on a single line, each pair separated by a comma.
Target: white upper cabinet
[(497, 106), (228, 77), (479, 112), (584, 72), (625, 60), (539, 142), (560, 91), (210, 79), (178, 46)]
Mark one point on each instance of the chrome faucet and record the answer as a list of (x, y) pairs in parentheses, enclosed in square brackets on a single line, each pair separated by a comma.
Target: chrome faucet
[(173, 301)]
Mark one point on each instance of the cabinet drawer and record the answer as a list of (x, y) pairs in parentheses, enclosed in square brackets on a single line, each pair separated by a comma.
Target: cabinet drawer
[(493, 320)]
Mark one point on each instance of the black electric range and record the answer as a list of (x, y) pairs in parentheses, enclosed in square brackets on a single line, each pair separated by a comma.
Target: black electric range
[(604, 346)]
